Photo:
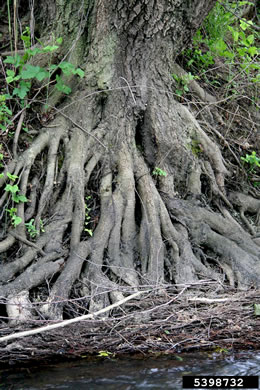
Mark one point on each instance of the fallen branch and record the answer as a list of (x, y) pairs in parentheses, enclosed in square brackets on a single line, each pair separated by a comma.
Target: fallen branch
[(209, 300), (71, 321)]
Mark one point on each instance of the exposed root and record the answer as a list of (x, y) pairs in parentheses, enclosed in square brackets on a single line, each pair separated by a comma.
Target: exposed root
[(246, 203), (223, 237)]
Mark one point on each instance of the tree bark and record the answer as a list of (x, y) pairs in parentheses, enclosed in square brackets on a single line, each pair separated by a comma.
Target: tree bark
[(101, 152)]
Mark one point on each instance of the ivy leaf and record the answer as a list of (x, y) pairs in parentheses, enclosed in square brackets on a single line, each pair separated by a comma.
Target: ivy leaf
[(34, 51), (252, 51), (79, 72), (31, 72), (12, 189), (48, 49), (19, 198), (42, 74), (11, 177), (67, 68), (61, 86), (14, 60), (22, 90), (16, 220)]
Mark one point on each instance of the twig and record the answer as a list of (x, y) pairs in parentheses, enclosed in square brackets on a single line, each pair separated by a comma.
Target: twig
[(209, 300), (129, 89), (70, 321), (17, 134)]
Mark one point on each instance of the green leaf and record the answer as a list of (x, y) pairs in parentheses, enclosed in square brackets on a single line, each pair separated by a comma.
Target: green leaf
[(79, 72), (11, 177), (20, 198), (14, 60), (33, 52), (11, 211), (89, 231), (220, 46), (10, 72), (48, 49), (59, 40), (13, 189), (11, 76), (250, 38), (53, 67), (16, 220), (31, 71), (67, 68), (42, 74), (252, 51), (61, 86), (21, 91), (244, 24)]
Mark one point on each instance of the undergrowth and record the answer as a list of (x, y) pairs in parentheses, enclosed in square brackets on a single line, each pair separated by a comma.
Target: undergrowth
[(225, 50)]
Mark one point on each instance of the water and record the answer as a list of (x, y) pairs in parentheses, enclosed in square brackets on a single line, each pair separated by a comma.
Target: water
[(129, 374)]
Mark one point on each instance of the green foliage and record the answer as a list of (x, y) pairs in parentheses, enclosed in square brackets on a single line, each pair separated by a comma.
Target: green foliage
[(252, 160), (14, 190), (15, 220), (21, 75), (26, 37), (5, 113), (31, 229), (225, 36), (183, 82), (159, 172)]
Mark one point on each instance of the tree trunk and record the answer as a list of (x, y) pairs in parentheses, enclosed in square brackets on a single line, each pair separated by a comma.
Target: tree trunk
[(120, 150)]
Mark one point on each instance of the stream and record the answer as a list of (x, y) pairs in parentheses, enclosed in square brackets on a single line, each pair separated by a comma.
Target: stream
[(128, 374)]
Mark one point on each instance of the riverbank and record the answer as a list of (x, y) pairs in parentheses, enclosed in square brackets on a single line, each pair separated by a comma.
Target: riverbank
[(162, 321)]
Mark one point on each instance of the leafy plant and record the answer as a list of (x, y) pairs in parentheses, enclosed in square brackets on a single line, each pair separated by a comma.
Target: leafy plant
[(14, 190), (252, 160), (20, 75), (23, 72), (5, 113), (183, 82), (159, 172), (33, 232), (15, 220), (223, 35)]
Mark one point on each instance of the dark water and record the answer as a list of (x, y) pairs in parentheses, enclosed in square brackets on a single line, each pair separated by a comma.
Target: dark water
[(126, 374)]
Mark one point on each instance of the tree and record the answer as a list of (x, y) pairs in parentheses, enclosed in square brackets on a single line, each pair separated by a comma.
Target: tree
[(121, 170)]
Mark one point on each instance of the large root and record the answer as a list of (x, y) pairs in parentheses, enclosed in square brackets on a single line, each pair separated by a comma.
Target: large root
[(145, 228)]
